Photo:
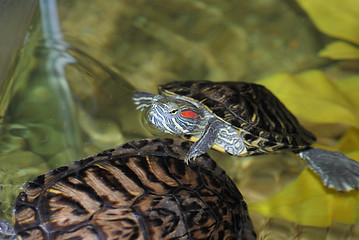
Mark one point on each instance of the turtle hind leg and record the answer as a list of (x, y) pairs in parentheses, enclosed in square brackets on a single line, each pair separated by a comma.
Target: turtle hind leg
[(335, 169), (7, 231)]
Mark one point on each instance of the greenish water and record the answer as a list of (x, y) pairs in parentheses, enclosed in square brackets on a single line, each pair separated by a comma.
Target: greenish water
[(62, 105), (72, 98)]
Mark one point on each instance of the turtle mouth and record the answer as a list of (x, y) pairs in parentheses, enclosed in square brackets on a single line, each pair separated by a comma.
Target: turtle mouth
[(158, 120), (156, 131)]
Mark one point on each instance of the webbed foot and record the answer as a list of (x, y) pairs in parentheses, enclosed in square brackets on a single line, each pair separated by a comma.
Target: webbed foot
[(335, 169)]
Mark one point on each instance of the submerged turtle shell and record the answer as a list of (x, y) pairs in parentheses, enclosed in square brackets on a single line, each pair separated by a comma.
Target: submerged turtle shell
[(264, 122), (140, 190)]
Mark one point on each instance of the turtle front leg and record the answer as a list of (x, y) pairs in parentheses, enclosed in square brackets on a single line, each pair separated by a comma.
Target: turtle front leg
[(206, 141), (231, 141), (335, 169)]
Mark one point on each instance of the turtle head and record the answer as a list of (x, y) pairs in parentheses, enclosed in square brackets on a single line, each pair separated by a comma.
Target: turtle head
[(173, 115), (169, 114)]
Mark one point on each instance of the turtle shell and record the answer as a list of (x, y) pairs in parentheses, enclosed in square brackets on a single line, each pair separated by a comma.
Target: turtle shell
[(264, 123), (140, 190)]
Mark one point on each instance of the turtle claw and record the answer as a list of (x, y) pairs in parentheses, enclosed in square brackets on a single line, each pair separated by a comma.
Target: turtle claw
[(192, 155), (7, 231), (335, 169), (187, 159), (195, 151)]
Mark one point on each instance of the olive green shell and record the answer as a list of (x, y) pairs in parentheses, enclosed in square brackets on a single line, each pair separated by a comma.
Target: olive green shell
[(264, 123), (140, 190)]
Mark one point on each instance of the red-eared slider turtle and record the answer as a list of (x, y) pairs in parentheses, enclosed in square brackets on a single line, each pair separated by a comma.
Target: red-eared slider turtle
[(241, 119), (140, 190)]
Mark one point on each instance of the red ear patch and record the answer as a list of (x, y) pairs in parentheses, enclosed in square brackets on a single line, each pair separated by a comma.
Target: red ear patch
[(189, 114)]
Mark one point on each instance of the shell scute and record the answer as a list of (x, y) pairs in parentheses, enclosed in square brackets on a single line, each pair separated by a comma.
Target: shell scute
[(249, 108)]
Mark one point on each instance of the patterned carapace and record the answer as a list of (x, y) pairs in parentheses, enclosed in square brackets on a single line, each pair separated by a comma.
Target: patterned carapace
[(140, 190), (249, 107)]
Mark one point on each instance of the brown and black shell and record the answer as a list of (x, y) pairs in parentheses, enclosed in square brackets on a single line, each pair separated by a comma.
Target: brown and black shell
[(140, 190), (265, 123)]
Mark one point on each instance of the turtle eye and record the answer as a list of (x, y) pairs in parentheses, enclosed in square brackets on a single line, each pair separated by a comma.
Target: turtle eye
[(174, 111)]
